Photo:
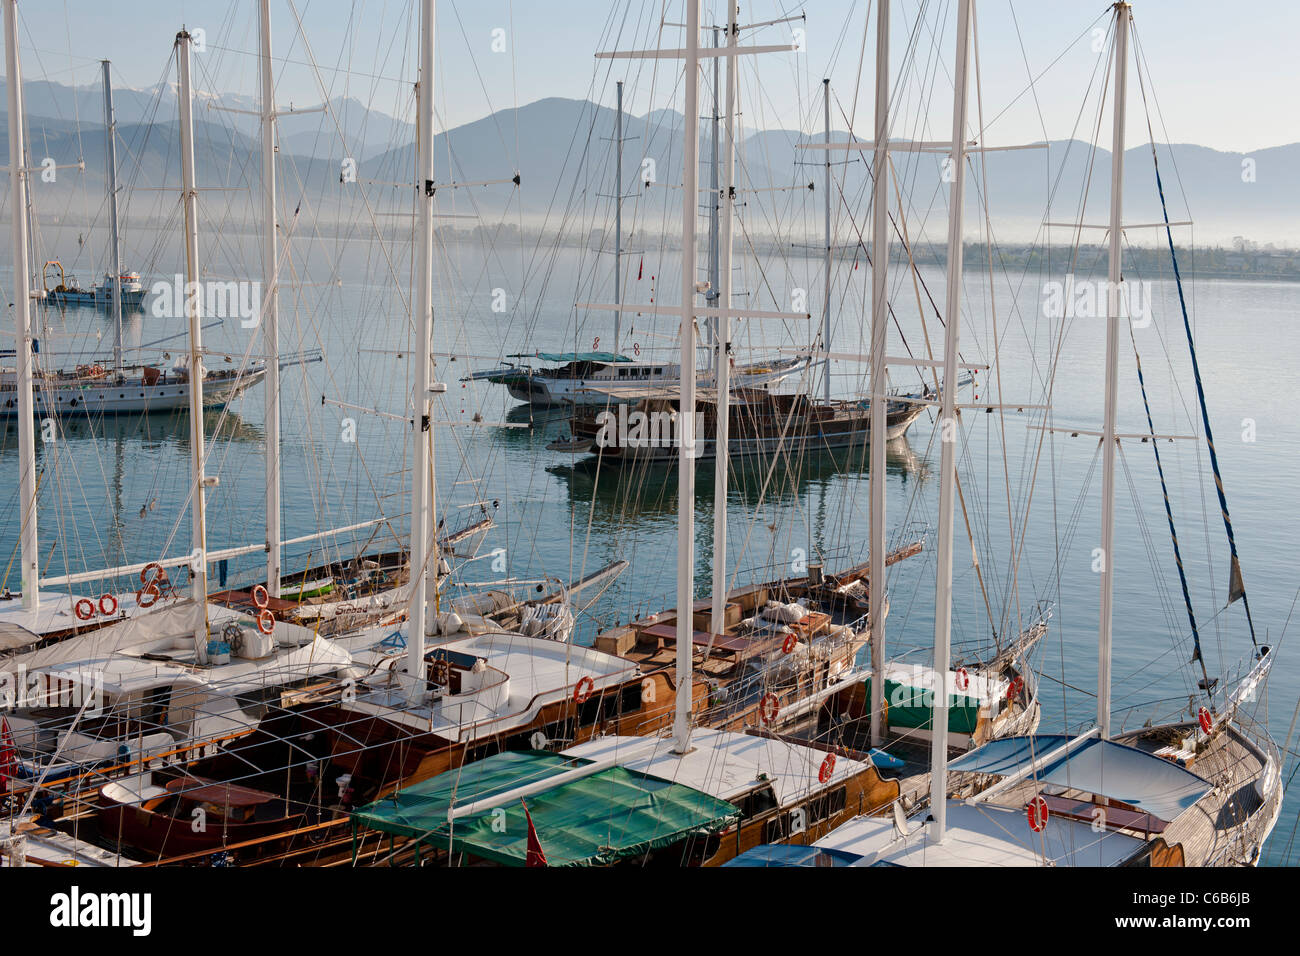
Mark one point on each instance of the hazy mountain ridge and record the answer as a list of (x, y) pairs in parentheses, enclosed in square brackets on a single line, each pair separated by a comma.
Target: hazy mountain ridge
[(562, 151)]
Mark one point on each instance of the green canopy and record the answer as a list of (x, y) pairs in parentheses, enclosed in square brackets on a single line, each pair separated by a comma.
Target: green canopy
[(910, 706), (608, 816)]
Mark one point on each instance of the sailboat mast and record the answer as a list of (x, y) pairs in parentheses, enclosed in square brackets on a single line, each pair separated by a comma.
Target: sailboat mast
[(879, 308), (826, 308), (114, 249), (722, 380), (618, 218), (422, 491), (686, 412), (948, 430), (30, 557), (193, 310), (712, 297), (1113, 319), (270, 312)]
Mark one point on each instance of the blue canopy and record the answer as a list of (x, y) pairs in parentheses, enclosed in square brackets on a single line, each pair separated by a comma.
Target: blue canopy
[(772, 854), (1104, 767)]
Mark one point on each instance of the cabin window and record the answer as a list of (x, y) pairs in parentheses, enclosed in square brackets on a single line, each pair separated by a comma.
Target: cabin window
[(589, 711), (756, 803), (827, 805), (622, 373), (630, 701)]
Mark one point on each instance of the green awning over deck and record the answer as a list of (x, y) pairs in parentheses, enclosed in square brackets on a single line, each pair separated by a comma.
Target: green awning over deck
[(603, 818)]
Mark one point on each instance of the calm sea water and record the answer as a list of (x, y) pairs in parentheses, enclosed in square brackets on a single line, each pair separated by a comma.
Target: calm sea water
[(115, 491)]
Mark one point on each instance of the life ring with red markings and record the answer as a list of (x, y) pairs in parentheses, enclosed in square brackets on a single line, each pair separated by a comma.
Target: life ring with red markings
[(84, 609), (583, 690), (827, 768), (790, 643), (111, 602), (768, 708), (265, 621), (1037, 813), (261, 597)]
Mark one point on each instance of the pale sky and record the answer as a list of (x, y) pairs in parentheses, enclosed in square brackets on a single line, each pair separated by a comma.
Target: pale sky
[(1225, 75)]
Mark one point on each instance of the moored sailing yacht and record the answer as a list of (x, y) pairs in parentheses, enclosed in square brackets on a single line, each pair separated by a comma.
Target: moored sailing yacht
[(1185, 793)]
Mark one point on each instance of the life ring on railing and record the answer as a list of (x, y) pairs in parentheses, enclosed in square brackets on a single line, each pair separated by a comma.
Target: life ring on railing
[(150, 591), (790, 643), (827, 768), (1037, 814), (768, 708), (159, 576), (583, 690), (963, 679), (261, 597), (1206, 721), (265, 621), (84, 609), (111, 601)]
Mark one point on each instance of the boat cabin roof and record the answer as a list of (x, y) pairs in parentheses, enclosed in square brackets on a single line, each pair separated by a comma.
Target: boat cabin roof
[(726, 764)]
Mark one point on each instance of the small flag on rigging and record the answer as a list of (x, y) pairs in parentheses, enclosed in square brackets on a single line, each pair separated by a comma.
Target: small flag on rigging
[(535, 856), (640, 267), (1236, 586)]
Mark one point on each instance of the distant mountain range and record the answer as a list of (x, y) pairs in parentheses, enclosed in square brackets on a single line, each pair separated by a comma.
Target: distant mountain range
[(561, 149)]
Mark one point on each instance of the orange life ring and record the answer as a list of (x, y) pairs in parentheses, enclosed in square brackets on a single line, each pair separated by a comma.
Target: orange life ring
[(84, 609), (583, 690), (151, 591), (1037, 814), (827, 768), (159, 577), (1014, 689), (963, 679), (1206, 721), (261, 597), (111, 601), (265, 620), (768, 708), (790, 643)]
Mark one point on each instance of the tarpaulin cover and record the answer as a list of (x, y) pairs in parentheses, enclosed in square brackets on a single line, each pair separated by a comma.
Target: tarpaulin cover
[(1104, 767), (608, 816), (777, 854)]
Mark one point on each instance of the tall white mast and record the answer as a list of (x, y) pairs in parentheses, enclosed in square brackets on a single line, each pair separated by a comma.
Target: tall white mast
[(1113, 319), (686, 411), (30, 571), (618, 219), (423, 512), (193, 312), (722, 379), (948, 430), (711, 298), (879, 327), (826, 308), (114, 249), (271, 310)]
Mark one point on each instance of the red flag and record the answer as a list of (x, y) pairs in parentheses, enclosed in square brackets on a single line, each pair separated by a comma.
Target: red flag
[(639, 267), (535, 856), (7, 757)]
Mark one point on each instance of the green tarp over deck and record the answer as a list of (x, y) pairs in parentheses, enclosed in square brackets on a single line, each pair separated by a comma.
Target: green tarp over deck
[(908, 707), (609, 816)]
